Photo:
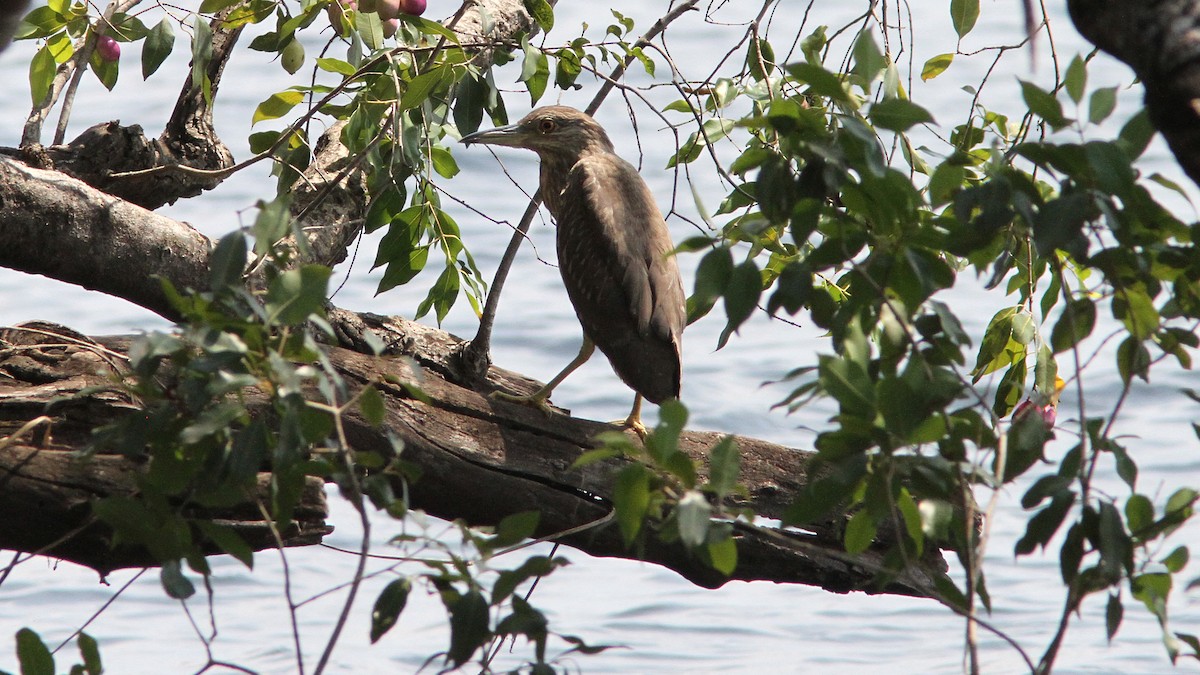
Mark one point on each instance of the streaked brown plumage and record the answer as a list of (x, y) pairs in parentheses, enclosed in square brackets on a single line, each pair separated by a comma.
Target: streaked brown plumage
[(614, 250)]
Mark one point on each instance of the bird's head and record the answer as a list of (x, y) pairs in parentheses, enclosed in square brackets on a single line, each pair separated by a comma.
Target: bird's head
[(553, 132)]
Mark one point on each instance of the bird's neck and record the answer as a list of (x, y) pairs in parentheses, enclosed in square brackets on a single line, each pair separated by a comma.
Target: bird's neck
[(556, 168), (554, 172)]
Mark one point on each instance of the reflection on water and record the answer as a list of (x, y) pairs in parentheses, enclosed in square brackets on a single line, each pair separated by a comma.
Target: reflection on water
[(661, 622)]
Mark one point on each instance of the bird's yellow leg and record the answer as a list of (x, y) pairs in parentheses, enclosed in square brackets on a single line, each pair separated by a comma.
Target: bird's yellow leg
[(538, 398), (634, 421)]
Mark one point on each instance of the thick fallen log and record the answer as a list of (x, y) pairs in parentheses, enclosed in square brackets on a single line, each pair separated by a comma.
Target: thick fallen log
[(480, 461), (47, 485), (46, 494)]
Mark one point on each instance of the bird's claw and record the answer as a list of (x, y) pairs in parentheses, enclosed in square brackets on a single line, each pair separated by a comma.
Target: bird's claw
[(531, 400), (634, 425)]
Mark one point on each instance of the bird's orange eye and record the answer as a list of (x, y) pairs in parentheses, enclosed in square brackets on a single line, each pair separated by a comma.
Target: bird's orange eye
[(547, 125)]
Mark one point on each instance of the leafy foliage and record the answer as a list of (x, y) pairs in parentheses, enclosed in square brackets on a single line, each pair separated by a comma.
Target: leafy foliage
[(848, 204)]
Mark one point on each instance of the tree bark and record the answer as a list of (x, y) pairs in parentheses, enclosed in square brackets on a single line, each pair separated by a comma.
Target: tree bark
[(62, 228), (48, 483), (480, 460)]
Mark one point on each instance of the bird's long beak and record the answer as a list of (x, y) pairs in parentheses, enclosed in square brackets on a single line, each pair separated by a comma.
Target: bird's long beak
[(510, 135)]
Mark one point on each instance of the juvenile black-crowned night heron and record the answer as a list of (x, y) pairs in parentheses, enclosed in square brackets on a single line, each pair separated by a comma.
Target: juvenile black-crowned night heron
[(614, 253)]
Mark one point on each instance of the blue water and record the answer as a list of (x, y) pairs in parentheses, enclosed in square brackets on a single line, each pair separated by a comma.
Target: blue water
[(661, 622)]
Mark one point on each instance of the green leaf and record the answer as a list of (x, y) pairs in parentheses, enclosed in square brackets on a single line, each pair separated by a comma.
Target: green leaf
[(631, 498), (1102, 104), (1024, 329), (61, 47), (443, 162), (272, 223), (39, 23), (227, 261), (401, 270), (898, 114), (41, 74), (508, 580), (262, 141), (963, 14), (1135, 309), (387, 208), (1042, 526), (421, 86), (157, 47), (822, 82), (741, 297), (428, 27), (229, 541), (1176, 560), (276, 106), (388, 605), (174, 582), (1043, 104), (468, 626), (712, 277), (1139, 513), (724, 464), (370, 402), (470, 103), (1076, 323), (860, 532), (912, 519), (106, 71), (1075, 79), (996, 339), (515, 528), (1045, 371), (442, 295), (868, 60), (1135, 136), (1026, 441), (722, 553), (34, 655), (936, 66), (542, 13), (370, 28), (1113, 614), (849, 384), (1180, 502), (336, 66), (296, 294), (1133, 359), (760, 61), (535, 71), (201, 55), (214, 6), (89, 651)]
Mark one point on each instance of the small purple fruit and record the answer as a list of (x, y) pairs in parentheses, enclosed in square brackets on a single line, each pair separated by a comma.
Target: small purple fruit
[(414, 7), (107, 48)]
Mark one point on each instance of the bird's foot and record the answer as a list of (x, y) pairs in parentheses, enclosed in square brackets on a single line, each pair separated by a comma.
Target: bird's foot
[(635, 425), (538, 401)]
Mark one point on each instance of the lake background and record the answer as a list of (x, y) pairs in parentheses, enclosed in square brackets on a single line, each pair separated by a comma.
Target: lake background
[(664, 623)]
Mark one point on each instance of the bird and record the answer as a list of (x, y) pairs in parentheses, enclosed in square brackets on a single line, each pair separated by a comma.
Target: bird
[(615, 254)]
